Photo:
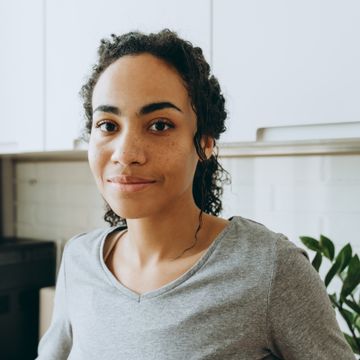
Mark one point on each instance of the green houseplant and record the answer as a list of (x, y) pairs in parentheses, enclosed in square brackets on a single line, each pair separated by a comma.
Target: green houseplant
[(346, 266)]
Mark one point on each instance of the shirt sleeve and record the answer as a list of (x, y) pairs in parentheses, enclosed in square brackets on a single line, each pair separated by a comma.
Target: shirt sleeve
[(301, 320), (56, 343)]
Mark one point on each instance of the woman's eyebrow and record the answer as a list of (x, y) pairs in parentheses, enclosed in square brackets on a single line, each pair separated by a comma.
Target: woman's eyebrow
[(108, 108), (146, 109)]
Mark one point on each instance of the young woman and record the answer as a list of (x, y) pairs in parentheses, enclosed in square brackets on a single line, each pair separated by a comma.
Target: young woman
[(170, 279)]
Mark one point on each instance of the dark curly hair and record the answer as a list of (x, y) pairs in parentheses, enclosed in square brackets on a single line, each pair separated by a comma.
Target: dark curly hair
[(206, 100)]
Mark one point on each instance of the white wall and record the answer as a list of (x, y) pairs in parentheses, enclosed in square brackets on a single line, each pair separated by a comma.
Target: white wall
[(298, 195), (56, 199)]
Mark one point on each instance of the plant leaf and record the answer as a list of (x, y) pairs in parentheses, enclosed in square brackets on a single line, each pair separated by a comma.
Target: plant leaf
[(335, 269), (352, 279), (344, 255), (357, 323), (333, 299), (348, 315), (352, 305), (311, 243), (352, 343), (327, 246), (343, 275), (317, 261)]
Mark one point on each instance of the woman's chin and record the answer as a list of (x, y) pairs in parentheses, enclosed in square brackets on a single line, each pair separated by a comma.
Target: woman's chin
[(132, 213)]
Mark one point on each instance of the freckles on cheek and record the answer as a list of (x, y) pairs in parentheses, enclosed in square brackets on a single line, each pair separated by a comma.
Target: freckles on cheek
[(174, 153), (182, 157), (95, 160)]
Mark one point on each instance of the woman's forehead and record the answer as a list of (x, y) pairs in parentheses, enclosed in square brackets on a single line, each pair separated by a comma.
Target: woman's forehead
[(140, 76), (141, 70)]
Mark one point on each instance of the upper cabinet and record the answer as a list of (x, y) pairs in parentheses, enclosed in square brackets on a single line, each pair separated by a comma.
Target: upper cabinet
[(73, 33), (22, 76), (49, 48), (289, 69)]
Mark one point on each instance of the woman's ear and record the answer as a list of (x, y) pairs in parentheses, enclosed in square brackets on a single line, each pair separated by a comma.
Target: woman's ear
[(207, 144)]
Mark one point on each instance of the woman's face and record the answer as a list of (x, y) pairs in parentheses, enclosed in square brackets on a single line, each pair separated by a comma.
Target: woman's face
[(143, 126)]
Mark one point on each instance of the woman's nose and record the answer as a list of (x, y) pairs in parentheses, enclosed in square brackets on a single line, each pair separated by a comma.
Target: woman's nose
[(128, 149)]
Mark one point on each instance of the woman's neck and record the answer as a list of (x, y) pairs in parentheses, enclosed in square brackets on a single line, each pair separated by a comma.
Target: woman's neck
[(160, 238)]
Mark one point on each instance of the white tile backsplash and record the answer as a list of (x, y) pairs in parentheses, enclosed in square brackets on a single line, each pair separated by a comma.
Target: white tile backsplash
[(342, 169), (56, 199), (285, 170), (294, 195)]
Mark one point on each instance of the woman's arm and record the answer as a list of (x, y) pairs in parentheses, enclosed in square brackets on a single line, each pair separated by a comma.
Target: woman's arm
[(301, 320), (57, 340)]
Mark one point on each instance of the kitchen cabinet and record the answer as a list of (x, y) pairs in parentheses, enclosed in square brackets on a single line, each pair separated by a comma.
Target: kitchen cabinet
[(22, 76), (288, 67), (48, 49), (73, 33)]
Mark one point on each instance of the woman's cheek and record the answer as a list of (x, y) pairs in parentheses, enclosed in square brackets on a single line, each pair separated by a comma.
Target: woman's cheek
[(96, 162)]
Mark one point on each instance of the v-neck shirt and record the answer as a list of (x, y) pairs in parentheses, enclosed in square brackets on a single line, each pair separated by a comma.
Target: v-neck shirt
[(253, 294), (132, 294)]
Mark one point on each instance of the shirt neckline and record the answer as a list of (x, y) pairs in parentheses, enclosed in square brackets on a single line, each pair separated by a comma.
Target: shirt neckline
[(172, 284)]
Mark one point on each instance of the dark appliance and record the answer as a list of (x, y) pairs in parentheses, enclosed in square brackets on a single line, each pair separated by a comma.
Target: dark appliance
[(26, 265)]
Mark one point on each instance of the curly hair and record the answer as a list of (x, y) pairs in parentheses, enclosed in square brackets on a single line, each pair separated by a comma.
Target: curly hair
[(206, 100)]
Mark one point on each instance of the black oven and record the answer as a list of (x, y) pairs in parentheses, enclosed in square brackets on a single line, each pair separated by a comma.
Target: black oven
[(26, 265)]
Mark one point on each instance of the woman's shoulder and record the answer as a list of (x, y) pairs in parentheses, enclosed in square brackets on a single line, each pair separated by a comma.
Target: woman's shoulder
[(254, 231), (88, 241), (257, 237)]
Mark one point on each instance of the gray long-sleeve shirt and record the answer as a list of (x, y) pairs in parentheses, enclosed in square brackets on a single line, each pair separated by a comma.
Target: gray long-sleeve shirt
[(252, 295)]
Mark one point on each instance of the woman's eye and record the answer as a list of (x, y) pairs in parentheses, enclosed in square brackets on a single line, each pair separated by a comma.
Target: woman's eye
[(106, 126), (160, 126)]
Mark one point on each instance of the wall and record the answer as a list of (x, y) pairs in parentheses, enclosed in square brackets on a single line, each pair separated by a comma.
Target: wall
[(299, 195), (55, 199)]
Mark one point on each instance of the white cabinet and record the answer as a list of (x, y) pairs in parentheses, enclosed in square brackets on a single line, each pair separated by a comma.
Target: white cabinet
[(286, 68), (287, 65), (73, 33), (21, 74)]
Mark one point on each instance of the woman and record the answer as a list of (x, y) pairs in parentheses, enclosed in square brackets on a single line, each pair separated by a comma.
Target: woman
[(170, 279)]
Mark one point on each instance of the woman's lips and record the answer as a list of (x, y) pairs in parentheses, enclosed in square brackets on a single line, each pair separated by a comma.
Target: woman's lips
[(131, 187), (130, 183)]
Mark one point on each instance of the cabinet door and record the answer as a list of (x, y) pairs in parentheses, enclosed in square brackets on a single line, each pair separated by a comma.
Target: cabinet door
[(21, 74), (74, 30), (289, 64)]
